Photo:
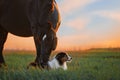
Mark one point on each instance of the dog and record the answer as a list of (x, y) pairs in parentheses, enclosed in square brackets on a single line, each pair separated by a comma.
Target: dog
[(59, 61)]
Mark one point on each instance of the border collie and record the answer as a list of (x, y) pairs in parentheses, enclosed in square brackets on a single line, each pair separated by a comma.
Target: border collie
[(59, 61)]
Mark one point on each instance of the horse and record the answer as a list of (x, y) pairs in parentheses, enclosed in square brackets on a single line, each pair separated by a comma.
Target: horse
[(25, 18)]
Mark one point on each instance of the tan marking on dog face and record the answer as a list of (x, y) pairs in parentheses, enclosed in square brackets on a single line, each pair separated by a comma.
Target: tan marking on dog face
[(64, 59)]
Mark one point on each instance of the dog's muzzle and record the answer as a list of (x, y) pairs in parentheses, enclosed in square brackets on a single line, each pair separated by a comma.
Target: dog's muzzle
[(69, 59)]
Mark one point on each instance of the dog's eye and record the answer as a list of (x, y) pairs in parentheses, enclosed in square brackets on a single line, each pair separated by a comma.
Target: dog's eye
[(66, 56)]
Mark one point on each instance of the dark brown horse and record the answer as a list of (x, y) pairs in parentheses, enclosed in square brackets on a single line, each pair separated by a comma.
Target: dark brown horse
[(37, 18)]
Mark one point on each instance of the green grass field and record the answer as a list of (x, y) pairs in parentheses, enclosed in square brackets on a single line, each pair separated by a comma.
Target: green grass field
[(86, 65)]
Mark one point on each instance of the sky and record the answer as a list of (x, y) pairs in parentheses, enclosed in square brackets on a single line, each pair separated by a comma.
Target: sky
[(84, 24)]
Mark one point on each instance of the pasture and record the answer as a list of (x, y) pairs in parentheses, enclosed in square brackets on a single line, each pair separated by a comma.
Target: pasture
[(86, 65)]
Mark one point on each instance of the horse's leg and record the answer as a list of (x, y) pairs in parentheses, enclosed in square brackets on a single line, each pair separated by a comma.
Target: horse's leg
[(37, 40), (37, 35), (3, 37)]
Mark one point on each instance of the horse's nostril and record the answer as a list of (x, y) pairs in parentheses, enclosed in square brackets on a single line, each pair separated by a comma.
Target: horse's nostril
[(70, 58)]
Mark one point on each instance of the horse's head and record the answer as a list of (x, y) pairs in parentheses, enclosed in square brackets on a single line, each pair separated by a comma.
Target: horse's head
[(49, 40), (48, 44), (47, 22)]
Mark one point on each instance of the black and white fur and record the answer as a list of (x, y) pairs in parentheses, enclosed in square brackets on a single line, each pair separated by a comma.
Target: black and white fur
[(59, 61)]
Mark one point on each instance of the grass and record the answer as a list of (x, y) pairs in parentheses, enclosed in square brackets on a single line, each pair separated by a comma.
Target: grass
[(86, 65)]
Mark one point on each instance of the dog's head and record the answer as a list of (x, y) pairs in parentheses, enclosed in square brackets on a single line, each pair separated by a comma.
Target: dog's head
[(63, 57)]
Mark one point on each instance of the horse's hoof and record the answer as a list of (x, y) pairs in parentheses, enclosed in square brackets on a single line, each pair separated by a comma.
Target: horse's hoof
[(32, 64), (45, 66), (3, 65)]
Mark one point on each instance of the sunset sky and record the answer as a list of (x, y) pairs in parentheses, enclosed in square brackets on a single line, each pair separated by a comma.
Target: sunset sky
[(85, 24)]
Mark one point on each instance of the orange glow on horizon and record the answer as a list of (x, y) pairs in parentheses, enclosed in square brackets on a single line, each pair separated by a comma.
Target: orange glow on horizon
[(19, 43)]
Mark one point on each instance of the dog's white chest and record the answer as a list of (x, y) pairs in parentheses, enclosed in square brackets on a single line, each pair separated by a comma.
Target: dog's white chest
[(55, 65)]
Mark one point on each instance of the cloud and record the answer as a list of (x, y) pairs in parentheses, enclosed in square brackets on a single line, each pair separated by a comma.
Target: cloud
[(72, 40), (67, 6), (114, 15), (78, 23)]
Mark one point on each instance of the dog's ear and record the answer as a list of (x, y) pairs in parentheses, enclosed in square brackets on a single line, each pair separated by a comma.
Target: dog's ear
[(57, 56), (60, 55)]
